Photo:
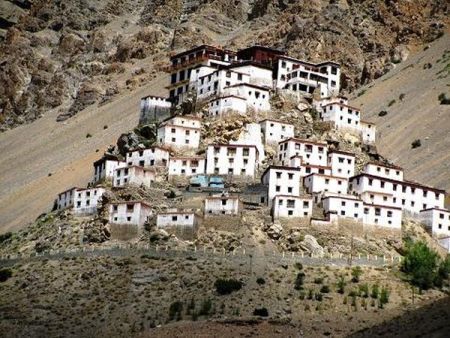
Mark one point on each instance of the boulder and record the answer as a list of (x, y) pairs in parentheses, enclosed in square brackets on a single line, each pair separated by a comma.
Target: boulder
[(275, 231), (311, 245)]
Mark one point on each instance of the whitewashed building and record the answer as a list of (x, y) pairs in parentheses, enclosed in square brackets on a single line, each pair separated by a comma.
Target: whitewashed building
[(381, 215), (222, 205), (342, 163), (186, 166), (87, 200), (305, 77), (225, 105), (318, 183), (257, 97), (445, 243), (133, 175), (149, 157), (153, 107), (281, 180), (232, 159), (384, 170), (180, 132), (342, 115), (368, 132), (407, 195), (177, 218), (437, 221), (275, 131), (65, 199), (311, 152), (129, 212), (344, 206), (287, 206), (105, 167), (318, 104), (373, 197), (307, 169)]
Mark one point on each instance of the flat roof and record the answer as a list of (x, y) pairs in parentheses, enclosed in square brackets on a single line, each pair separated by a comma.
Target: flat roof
[(344, 197), (197, 48), (341, 152), (341, 105), (438, 209), (147, 148), (234, 146), (304, 197), (382, 206), (279, 167), (408, 183), (276, 121), (187, 117), (248, 85), (227, 96), (304, 141), (131, 202), (385, 165), (186, 158), (329, 176), (178, 126)]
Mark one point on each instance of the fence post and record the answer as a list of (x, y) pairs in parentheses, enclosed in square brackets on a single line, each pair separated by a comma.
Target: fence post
[(195, 248), (292, 254), (303, 254), (283, 254), (223, 251), (243, 251), (214, 250), (156, 248), (376, 257)]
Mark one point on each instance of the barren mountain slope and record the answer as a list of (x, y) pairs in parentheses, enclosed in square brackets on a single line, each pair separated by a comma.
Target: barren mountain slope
[(416, 114), (31, 152), (66, 55)]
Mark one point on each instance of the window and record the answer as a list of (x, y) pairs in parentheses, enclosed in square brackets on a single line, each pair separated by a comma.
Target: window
[(115, 219), (280, 202), (174, 218), (341, 159), (130, 207), (305, 204), (278, 174), (366, 211), (291, 203), (289, 190), (389, 213), (342, 212), (129, 219), (224, 202), (377, 212), (327, 181), (290, 212), (277, 188), (370, 181), (239, 77), (441, 216), (290, 176), (142, 163), (343, 203), (88, 202), (382, 184)]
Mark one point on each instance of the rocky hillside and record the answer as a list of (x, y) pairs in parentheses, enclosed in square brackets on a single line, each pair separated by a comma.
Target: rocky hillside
[(70, 55), (412, 108)]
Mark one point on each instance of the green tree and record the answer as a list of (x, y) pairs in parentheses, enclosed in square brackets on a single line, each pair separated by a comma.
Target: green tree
[(420, 264), (384, 297), (341, 285)]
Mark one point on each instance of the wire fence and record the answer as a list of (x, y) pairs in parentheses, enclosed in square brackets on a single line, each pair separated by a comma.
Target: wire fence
[(191, 252)]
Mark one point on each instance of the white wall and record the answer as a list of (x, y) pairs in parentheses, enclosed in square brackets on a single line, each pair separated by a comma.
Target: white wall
[(133, 175), (315, 183), (342, 164), (407, 196), (133, 213), (232, 160), (221, 206), (176, 219), (257, 98), (105, 168), (65, 199), (291, 206), (186, 166), (311, 152), (342, 115), (368, 132), (86, 200), (222, 106), (371, 197), (390, 217), (149, 157), (275, 131), (281, 181), (344, 206), (437, 220), (394, 173), (179, 136)]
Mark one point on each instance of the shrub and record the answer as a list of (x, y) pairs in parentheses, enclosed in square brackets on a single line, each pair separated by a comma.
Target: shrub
[(427, 65), (310, 294), (416, 144), (206, 307), (6, 236), (384, 297), (392, 102), (105, 126), (175, 310), (356, 274), (382, 113), (341, 285), (262, 312), (364, 290), (227, 286), (318, 280), (260, 281), (318, 296), (299, 266), (298, 285), (375, 291), (420, 264), (402, 96), (5, 274), (88, 135), (443, 99), (325, 289)]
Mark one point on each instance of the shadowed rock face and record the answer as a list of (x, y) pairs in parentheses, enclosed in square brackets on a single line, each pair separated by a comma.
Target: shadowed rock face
[(65, 55)]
